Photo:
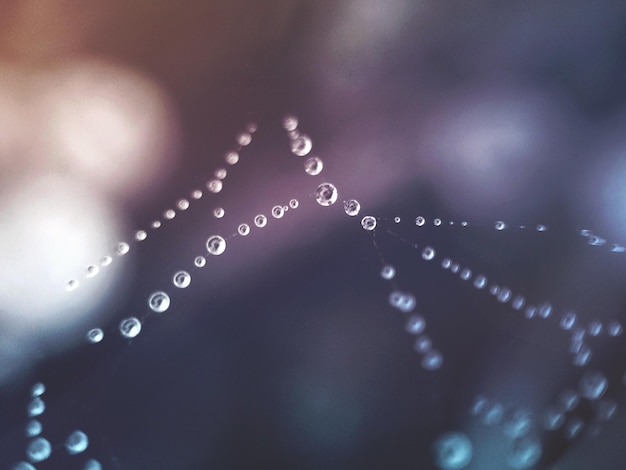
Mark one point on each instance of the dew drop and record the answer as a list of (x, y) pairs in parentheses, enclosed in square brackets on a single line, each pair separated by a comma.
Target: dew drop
[(183, 204), (159, 301), (156, 224), (231, 158), (568, 320), (518, 302), (260, 221), (105, 261), (216, 245), (593, 384), (568, 400), (420, 221), (181, 279), (614, 328), (122, 248), (446, 263), (33, 428), (76, 443), (480, 282), (493, 414), (432, 360), (200, 261), (290, 123), (215, 186), (437, 222), (130, 327), (326, 194), (313, 166), (252, 127), (293, 203), (95, 335), (405, 302), (388, 272), (169, 214), (352, 207), (301, 145), (36, 407), (504, 295), (452, 451), (541, 228), (221, 173), (553, 419), (422, 344), (23, 466), (140, 235), (397, 220), (244, 138), (428, 253), (92, 464), (524, 453), (518, 423), (594, 328), (466, 274), (278, 212), (243, 229), (415, 325), (499, 225), (218, 212), (196, 194), (37, 390), (573, 427), (71, 285), (38, 450), (368, 223)]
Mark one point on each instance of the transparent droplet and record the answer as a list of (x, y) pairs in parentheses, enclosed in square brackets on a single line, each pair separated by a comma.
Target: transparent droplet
[(415, 325), (594, 328), (260, 220), (405, 302), (92, 464), (446, 263), (221, 173), (215, 186), (455, 268), (568, 400), (388, 272), (568, 320), (278, 212), (37, 390), (419, 221), (130, 327), (594, 240), (432, 360), (218, 212), (196, 194), (428, 253), (614, 328), (301, 145), (530, 311), (71, 285), (493, 414), (183, 204), (36, 407), (23, 466), (231, 158), (437, 222), (553, 419), (479, 406), (573, 427), (38, 450), (593, 384), (583, 356), (156, 224), (541, 228), (545, 310), (499, 225), (422, 344), (95, 335), (504, 295), (216, 245), (199, 261), (368, 223), (140, 235), (615, 248), (243, 229), (326, 194), (244, 138), (33, 428), (76, 443), (159, 301), (181, 279), (466, 274), (397, 220), (169, 214), (518, 302), (290, 123), (524, 453), (106, 260), (313, 166), (605, 409), (352, 207), (122, 248), (452, 451), (518, 423), (252, 127), (293, 203)]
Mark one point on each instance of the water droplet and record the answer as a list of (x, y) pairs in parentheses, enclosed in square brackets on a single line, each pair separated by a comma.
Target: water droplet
[(504, 295), (605, 409), (183, 204), (405, 302), (499, 225), (530, 311), (432, 360), (181, 279), (541, 228), (452, 451), (524, 453), (593, 384), (397, 220), (290, 123), (615, 248), (553, 419), (518, 302), (352, 207), (130, 327), (106, 260), (218, 212), (388, 272), (196, 194), (169, 214), (446, 263), (437, 222), (76, 442), (594, 328), (38, 450), (140, 235), (422, 344), (156, 224), (568, 400), (518, 423), (368, 223), (221, 173), (252, 127), (159, 301), (301, 145), (313, 166), (419, 221), (260, 221), (479, 406), (466, 274), (92, 464), (428, 253), (215, 186), (231, 158), (95, 335), (573, 427), (326, 194), (583, 356), (37, 390), (455, 268), (278, 212), (493, 414), (243, 229), (71, 285), (293, 203), (480, 282), (415, 325), (216, 245), (614, 328), (23, 466), (568, 320), (33, 428), (545, 310), (244, 139), (36, 407), (122, 248), (199, 261)]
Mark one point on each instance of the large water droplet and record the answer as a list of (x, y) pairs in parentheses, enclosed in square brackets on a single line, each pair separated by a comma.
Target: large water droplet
[(216, 245), (159, 301), (130, 327), (326, 194)]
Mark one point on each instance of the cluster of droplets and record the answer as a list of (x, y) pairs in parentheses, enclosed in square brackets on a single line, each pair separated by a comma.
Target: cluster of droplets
[(39, 448), (595, 240)]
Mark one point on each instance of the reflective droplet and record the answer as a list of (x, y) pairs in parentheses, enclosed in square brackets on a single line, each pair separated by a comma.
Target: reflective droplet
[(216, 245), (352, 207), (419, 221), (432, 360), (196, 194), (156, 224), (169, 214), (545, 310), (593, 384), (221, 173), (244, 139), (499, 225), (252, 127), (615, 248), (455, 268), (405, 302), (388, 272), (452, 451), (106, 260), (95, 335), (293, 203), (37, 390), (181, 279), (313, 166), (428, 253), (568, 320), (446, 263), (605, 409), (524, 453), (518, 423), (568, 400), (583, 356), (368, 223), (38, 450), (140, 235), (215, 186), (415, 325), (183, 204), (594, 240), (199, 261), (504, 295), (71, 285), (530, 311), (466, 274), (260, 221), (122, 248), (23, 466), (243, 229), (92, 464), (76, 442), (301, 145), (231, 158), (573, 427), (437, 222), (218, 212), (614, 328), (422, 344), (397, 220), (594, 328), (480, 282), (493, 414), (33, 428), (36, 407), (541, 228), (479, 406), (553, 419), (290, 123), (130, 327), (518, 302), (159, 301), (278, 212), (326, 194)]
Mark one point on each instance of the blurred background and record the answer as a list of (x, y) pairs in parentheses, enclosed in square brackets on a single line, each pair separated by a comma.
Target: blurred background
[(284, 352)]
